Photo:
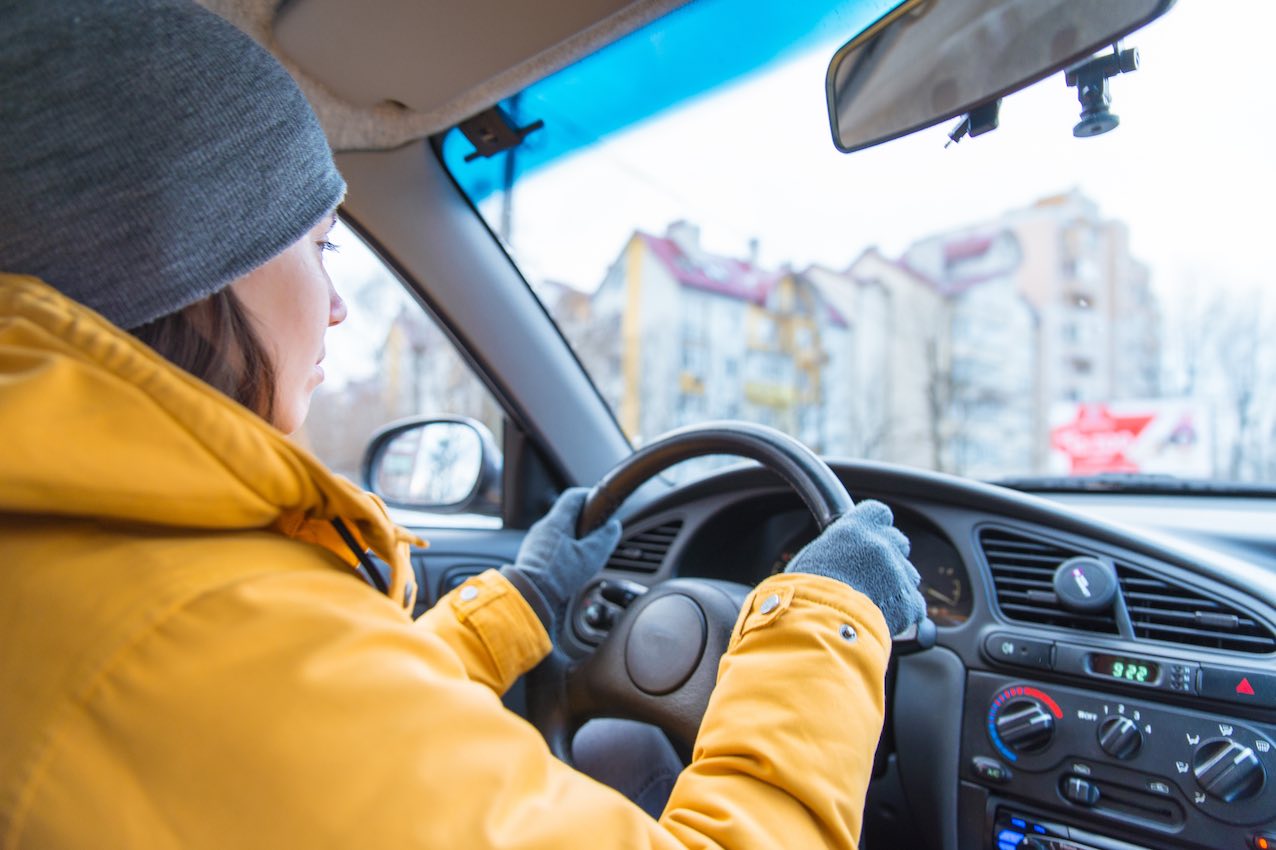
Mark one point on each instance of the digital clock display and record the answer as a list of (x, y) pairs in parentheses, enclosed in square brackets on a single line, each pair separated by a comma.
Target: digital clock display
[(1125, 669)]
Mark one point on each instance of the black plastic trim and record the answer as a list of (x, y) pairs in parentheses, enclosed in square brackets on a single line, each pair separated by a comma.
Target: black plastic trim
[(928, 740)]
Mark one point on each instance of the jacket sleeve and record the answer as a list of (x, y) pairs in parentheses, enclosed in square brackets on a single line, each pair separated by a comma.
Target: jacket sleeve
[(491, 629), (288, 711), (786, 747)]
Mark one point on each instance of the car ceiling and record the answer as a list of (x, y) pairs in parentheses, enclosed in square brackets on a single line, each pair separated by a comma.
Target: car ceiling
[(384, 72)]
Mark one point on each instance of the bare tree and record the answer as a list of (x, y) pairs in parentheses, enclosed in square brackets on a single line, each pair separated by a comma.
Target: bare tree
[(870, 429), (941, 390), (1242, 346), (1221, 347), (1191, 331)]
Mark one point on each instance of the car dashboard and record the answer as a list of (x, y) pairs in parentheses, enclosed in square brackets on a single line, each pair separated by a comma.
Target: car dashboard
[(771, 532), (1150, 723)]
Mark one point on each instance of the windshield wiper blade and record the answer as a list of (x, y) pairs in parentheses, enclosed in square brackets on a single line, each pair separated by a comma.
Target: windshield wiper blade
[(1133, 482)]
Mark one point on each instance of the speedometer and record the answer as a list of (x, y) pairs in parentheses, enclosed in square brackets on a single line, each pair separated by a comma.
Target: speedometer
[(944, 584)]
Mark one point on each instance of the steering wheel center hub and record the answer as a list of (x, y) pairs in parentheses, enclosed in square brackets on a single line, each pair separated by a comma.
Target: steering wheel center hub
[(665, 644)]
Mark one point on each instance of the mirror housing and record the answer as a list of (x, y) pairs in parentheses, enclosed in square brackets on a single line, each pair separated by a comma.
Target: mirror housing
[(928, 61), (439, 464)]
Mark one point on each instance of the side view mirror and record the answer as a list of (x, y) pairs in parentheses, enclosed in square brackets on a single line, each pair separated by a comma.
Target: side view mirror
[(441, 464)]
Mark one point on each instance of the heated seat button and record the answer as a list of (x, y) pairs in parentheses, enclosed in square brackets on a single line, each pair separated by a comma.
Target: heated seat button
[(1237, 685)]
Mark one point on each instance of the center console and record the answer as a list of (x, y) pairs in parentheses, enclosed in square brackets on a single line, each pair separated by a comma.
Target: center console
[(1134, 751)]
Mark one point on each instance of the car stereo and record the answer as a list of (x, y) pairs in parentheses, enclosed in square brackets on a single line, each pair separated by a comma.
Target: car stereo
[(1017, 830)]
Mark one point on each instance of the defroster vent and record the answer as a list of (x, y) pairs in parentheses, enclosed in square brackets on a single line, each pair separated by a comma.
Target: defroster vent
[(645, 551)]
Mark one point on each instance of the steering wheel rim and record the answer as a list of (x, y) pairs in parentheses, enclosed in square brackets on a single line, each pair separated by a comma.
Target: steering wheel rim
[(562, 693), (823, 493)]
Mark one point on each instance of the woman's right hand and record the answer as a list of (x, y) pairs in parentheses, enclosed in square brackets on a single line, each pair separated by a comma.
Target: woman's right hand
[(864, 550)]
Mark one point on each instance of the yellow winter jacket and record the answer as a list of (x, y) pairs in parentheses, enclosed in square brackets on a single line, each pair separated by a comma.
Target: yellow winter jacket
[(188, 658)]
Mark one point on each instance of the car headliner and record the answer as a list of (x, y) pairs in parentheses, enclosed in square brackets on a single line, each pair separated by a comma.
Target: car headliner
[(436, 62)]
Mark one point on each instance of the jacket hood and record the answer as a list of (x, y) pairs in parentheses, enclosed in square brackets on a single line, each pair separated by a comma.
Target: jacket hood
[(96, 425)]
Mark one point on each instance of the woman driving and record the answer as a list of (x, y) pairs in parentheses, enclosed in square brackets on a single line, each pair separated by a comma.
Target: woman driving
[(190, 654)]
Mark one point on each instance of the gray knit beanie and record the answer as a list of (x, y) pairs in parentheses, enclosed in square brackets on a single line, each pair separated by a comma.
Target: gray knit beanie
[(150, 153)]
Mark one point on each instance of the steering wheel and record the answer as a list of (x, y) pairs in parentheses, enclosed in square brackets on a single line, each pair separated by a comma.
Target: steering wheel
[(659, 662)]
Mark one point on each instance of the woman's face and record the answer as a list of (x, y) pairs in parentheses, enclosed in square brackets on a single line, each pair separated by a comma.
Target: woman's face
[(291, 303)]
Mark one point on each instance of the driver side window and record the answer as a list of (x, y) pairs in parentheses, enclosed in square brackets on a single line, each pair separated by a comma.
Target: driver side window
[(387, 361)]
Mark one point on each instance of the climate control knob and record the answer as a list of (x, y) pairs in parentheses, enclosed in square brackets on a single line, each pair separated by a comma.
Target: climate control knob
[(1025, 725), (1228, 770), (1120, 737)]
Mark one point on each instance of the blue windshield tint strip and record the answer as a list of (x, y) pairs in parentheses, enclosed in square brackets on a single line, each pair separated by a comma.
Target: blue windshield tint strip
[(693, 50)]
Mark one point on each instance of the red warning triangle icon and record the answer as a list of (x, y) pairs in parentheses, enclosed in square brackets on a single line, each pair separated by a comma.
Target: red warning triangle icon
[(1245, 687)]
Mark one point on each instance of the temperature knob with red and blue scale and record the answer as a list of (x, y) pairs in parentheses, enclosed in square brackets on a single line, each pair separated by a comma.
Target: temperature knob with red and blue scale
[(1021, 720)]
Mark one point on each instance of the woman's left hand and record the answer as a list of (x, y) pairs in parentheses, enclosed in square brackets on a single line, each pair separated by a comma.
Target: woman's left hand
[(555, 563)]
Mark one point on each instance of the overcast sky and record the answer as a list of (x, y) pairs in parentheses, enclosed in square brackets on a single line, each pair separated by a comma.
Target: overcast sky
[(1191, 167)]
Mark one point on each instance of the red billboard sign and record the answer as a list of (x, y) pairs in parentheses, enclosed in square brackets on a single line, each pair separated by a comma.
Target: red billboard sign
[(1130, 436)]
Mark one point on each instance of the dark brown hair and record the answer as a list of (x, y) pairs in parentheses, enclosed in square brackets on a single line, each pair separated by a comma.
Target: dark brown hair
[(213, 340)]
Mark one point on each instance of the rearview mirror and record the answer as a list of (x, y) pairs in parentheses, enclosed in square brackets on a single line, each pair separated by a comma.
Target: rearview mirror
[(928, 61), (440, 464)]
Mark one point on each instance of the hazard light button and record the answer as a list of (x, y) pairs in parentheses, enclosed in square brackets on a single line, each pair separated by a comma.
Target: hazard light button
[(1243, 687)]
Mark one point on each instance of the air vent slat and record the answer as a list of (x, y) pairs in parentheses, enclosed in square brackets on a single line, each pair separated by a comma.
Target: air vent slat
[(630, 564), (1202, 619), (1046, 560), (1016, 544), (1155, 601), (657, 536), (645, 551), (1066, 619), (1014, 573), (1015, 586), (1172, 594), (1202, 637), (1175, 614), (1017, 598)]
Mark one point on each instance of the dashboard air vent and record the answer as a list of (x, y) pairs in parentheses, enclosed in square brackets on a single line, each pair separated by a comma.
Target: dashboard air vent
[(645, 551), (1023, 570), (1175, 614)]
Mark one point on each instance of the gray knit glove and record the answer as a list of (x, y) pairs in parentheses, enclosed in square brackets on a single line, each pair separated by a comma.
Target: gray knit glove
[(553, 565), (864, 550)]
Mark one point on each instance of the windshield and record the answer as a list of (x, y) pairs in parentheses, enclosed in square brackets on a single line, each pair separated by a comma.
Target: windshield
[(1023, 303)]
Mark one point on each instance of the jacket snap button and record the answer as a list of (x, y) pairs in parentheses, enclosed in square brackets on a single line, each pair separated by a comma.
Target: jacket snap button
[(469, 593), (848, 634), (770, 603)]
